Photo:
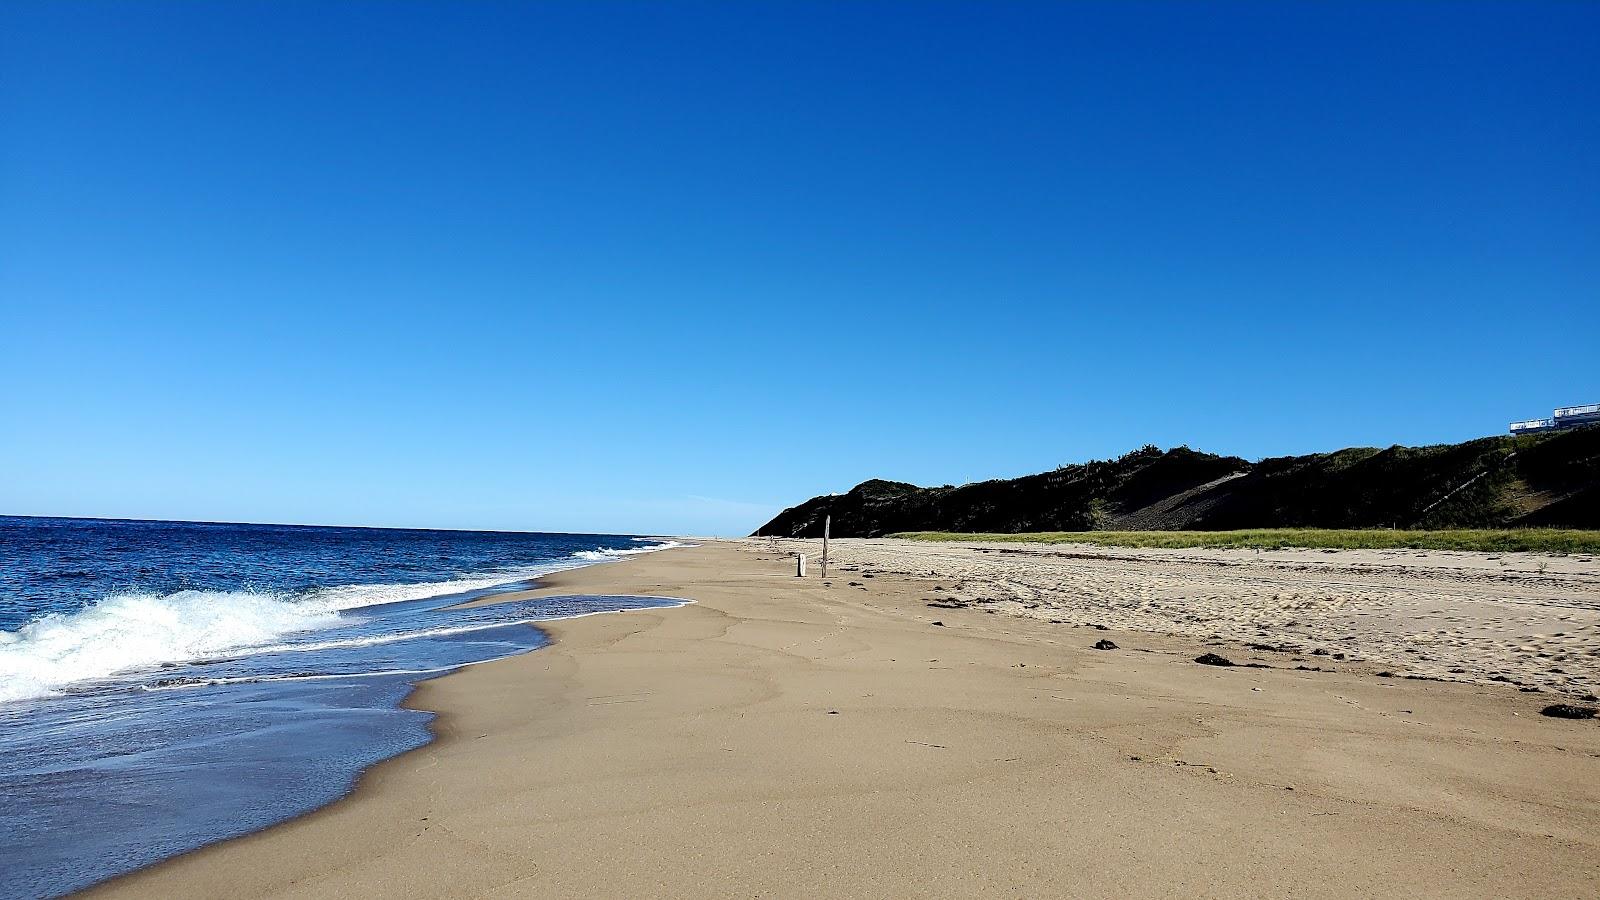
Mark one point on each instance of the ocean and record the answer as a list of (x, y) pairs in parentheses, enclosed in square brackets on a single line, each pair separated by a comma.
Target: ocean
[(165, 685)]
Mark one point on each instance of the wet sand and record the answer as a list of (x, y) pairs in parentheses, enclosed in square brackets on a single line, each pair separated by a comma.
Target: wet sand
[(791, 737)]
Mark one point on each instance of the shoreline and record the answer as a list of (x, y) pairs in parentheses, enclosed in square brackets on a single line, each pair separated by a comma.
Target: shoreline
[(540, 585), (781, 736), (544, 585), (227, 748)]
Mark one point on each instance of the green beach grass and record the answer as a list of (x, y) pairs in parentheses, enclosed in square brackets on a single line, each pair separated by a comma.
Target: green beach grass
[(1496, 540)]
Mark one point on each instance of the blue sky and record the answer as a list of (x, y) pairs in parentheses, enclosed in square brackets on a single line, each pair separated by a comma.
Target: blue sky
[(670, 267)]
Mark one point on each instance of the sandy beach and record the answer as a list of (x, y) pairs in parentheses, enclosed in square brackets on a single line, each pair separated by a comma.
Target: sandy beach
[(1531, 620), (803, 737)]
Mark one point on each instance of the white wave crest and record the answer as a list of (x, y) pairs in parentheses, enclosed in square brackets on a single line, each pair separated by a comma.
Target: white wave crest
[(355, 596), (141, 630), (132, 631), (602, 555)]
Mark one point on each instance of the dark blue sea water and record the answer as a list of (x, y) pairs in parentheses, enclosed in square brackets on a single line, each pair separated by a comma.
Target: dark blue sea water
[(164, 685)]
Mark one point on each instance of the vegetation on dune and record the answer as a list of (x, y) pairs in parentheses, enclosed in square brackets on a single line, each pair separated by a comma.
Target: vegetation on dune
[(1549, 480), (1497, 540)]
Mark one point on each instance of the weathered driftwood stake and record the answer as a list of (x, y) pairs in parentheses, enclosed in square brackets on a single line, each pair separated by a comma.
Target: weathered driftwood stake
[(827, 525)]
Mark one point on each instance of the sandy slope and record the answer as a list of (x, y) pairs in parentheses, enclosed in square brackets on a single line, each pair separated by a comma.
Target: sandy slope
[(786, 738)]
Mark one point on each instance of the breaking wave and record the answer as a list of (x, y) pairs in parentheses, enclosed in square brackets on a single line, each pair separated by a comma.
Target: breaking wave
[(134, 631), (603, 555)]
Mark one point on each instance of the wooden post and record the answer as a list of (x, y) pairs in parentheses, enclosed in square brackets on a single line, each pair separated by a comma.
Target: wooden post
[(800, 566), (827, 525)]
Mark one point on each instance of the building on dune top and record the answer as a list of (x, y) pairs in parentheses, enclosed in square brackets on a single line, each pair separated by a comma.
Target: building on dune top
[(1565, 417)]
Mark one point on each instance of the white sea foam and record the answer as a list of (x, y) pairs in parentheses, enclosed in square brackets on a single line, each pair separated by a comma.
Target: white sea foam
[(355, 596), (133, 631), (140, 630), (381, 639), (602, 555)]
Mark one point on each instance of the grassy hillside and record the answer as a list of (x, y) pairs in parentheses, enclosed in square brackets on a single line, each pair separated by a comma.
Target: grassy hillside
[(1496, 540), (1548, 480)]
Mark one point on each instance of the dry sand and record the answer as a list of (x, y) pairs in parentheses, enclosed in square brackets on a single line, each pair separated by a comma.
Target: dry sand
[(1516, 618), (783, 737)]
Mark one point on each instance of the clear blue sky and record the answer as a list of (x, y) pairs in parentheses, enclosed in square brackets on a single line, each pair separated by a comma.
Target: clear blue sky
[(669, 267)]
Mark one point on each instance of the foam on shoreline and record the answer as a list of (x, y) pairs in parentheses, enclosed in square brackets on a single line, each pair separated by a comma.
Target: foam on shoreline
[(131, 631)]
